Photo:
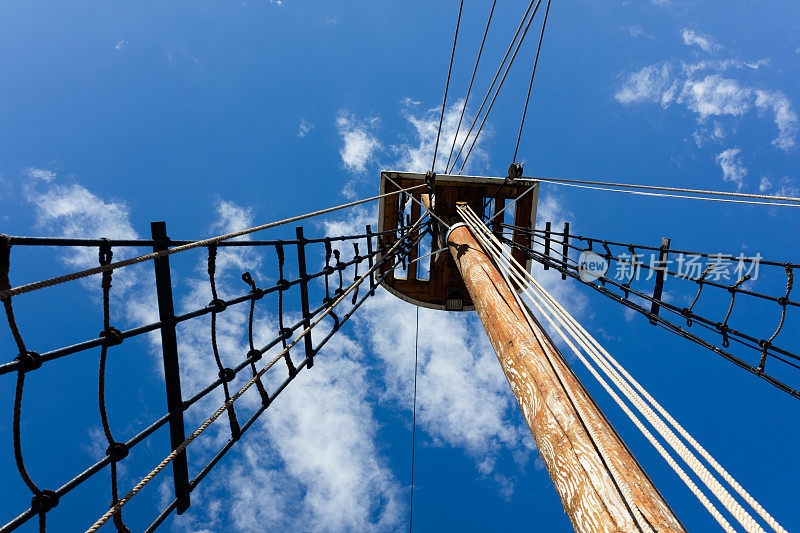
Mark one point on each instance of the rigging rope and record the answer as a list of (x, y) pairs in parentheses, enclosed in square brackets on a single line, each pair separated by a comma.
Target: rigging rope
[(447, 85), (491, 86), (578, 183), (604, 361), (499, 86), (414, 424), (530, 86), (7, 293), (469, 89)]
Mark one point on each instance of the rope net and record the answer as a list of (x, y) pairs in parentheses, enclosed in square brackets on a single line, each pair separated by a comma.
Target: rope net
[(714, 287), (324, 300)]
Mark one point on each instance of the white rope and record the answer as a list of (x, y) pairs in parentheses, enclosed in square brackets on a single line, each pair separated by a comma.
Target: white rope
[(618, 480), (590, 345), (679, 195), (602, 361), (169, 458), (671, 189)]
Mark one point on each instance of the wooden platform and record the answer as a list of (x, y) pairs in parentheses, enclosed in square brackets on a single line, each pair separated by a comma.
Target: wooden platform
[(443, 288)]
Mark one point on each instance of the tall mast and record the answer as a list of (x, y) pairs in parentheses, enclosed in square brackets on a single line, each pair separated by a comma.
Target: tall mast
[(601, 485)]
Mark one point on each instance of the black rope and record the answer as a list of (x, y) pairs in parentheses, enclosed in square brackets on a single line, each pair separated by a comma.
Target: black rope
[(115, 450), (499, 87), (328, 270), (254, 355), (225, 374), (570, 268), (491, 86), (285, 332), (43, 500), (447, 86), (357, 258), (530, 86), (414, 424), (469, 88)]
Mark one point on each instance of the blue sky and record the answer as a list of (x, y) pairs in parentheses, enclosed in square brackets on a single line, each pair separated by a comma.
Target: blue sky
[(217, 116)]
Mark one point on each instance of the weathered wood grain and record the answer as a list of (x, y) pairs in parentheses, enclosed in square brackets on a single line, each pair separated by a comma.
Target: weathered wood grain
[(588, 493)]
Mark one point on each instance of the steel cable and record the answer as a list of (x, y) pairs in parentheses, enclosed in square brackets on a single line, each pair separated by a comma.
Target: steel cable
[(469, 88), (499, 86), (530, 86), (491, 86), (447, 85)]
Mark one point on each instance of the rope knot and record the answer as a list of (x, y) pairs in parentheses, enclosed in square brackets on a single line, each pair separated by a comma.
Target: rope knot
[(44, 501), (218, 305), (111, 336), (117, 451), (105, 253), (29, 361), (254, 355), (227, 375)]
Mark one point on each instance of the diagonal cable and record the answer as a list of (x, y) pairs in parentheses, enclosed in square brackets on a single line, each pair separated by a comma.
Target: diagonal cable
[(469, 89), (447, 85)]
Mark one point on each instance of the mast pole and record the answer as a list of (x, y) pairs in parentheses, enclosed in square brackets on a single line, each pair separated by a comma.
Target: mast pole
[(595, 499)]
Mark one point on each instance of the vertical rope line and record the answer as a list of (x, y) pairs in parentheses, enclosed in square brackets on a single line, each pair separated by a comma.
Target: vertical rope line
[(217, 304), (5, 284), (110, 335), (257, 295), (530, 86), (469, 89), (414, 424), (447, 85)]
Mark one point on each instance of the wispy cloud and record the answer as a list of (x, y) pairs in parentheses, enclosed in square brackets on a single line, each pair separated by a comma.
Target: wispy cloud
[(786, 187), (733, 170), (415, 154), (40, 174), (704, 42), (702, 88), (304, 128)]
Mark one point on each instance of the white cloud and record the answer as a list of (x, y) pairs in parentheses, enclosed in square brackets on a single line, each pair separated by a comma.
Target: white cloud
[(359, 142), (786, 187), (733, 169), (40, 174), (710, 94), (785, 117), (635, 30), (416, 155), (704, 42), (304, 128), (119, 45), (653, 83), (715, 95)]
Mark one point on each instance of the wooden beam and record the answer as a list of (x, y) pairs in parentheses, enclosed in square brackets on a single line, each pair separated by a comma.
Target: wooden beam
[(590, 496)]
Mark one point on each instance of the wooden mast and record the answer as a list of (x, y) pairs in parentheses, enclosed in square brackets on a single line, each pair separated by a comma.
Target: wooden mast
[(596, 496)]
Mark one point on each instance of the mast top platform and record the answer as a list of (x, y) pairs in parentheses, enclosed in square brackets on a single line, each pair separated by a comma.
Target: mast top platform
[(435, 282)]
